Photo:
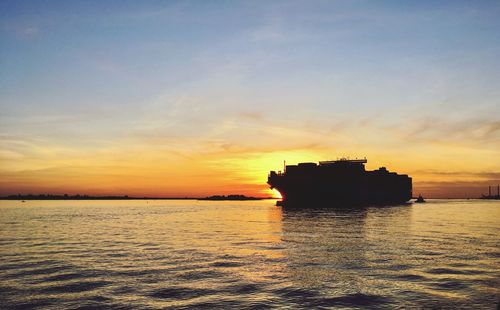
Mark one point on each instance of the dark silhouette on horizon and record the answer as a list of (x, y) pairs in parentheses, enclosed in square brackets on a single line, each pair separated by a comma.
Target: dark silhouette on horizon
[(230, 197), (420, 199), (79, 197), (490, 196), (124, 197), (339, 183)]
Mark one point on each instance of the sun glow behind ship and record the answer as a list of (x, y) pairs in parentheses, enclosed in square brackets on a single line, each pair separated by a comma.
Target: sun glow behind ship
[(276, 194)]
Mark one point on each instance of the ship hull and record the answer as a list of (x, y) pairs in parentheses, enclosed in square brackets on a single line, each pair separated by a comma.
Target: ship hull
[(315, 197)]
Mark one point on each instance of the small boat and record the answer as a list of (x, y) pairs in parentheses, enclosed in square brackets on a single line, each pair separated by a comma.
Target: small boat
[(420, 199)]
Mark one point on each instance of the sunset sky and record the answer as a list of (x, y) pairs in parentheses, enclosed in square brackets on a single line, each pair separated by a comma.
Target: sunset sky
[(193, 98)]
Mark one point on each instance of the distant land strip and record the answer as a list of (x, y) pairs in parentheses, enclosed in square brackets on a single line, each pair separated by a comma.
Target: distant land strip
[(231, 197), (124, 197)]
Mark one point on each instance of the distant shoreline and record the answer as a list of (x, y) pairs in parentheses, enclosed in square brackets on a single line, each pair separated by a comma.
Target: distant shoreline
[(125, 197), (231, 197)]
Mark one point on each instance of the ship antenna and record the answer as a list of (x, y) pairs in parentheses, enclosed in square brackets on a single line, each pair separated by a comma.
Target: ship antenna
[(284, 166)]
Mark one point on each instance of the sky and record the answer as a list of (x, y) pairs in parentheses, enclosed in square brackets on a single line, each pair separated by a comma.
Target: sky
[(194, 98)]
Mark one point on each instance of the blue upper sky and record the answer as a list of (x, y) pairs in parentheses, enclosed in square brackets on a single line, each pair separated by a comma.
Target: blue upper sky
[(359, 53)]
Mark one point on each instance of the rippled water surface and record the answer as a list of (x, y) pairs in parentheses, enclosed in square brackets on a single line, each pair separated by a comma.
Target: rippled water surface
[(252, 254)]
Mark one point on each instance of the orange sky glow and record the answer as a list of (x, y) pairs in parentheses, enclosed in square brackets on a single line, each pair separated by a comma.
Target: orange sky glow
[(159, 173)]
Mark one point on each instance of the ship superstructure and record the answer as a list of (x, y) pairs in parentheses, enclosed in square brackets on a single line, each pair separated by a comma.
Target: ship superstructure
[(340, 182)]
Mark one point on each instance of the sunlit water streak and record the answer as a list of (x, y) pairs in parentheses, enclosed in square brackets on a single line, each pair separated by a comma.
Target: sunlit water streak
[(252, 254)]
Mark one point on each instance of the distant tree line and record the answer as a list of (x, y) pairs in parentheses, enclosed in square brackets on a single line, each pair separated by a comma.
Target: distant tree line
[(61, 197), (229, 197), (88, 197)]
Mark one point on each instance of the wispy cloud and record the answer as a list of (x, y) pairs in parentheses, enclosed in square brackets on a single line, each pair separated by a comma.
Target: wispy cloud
[(461, 175)]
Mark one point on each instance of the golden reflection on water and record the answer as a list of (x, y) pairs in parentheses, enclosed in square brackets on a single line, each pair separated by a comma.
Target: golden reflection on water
[(160, 253), (429, 249)]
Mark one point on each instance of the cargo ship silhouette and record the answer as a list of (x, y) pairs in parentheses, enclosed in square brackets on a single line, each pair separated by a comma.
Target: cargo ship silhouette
[(339, 183)]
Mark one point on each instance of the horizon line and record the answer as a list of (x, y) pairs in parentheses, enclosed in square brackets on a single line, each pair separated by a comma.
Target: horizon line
[(116, 197), (127, 197)]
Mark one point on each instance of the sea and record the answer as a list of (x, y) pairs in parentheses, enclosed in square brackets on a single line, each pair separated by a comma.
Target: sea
[(189, 254)]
